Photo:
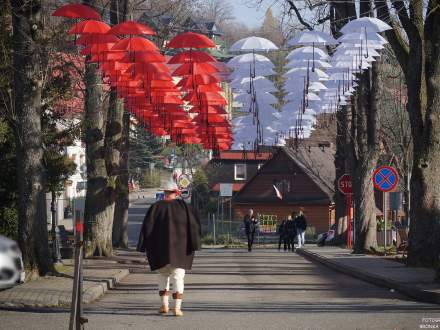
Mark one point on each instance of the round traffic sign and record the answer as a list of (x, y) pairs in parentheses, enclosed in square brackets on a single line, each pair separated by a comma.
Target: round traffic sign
[(385, 178), (345, 185)]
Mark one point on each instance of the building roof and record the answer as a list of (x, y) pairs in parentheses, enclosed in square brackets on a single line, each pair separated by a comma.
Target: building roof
[(318, 163), (243, 155)]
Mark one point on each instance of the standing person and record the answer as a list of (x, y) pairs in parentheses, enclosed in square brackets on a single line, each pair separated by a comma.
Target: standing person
[(291, 233), (282, 232), (170, 235), (250, 226), (301, 226)]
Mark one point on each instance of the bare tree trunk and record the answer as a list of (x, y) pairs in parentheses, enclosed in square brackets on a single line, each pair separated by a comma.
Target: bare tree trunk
[(33, 234), (365, 156), (118, 148), (120, 227), (424, 241), (341, 169)]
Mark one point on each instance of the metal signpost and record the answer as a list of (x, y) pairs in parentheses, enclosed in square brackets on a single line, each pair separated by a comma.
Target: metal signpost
[(77, 321), (385, 179), (226, 191), (345, 187)]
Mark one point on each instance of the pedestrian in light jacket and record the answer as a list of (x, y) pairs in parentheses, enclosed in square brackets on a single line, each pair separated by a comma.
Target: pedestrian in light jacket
[(301, 226)]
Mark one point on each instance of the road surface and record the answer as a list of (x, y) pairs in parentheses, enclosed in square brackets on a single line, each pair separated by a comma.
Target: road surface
[(234, 289)]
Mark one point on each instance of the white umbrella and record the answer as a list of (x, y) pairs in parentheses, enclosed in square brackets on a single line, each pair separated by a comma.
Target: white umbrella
[(253, 44), (302, 72), (360, 36), (355, 51), (312, 38), (370, 24), (243, 59), (304, 63), (307, 52), (260, 83), (243, 72), (262, 98)]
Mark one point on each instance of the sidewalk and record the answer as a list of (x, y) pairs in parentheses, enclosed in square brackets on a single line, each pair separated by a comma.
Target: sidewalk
[(414, 282), (56, 291)]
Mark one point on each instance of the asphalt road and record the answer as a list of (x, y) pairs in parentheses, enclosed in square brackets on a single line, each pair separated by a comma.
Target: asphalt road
[(234, 289)]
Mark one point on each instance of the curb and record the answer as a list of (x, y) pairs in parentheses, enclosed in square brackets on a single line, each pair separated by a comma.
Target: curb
[(63, 299), (410, 291)]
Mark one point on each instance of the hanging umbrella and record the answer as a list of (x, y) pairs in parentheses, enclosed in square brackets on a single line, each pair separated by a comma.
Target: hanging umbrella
[(87, 39), (307, 52), (302, 63), (191, 56), (195, 68), (312, 38), (360, 36), (253, 44), (135, 44), (191, 40), (76, 10), (131, 28), (368, 24), (89, 26), (240, 60)]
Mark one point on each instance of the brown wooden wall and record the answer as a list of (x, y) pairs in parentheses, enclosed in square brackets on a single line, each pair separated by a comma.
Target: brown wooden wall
[(318, 216)]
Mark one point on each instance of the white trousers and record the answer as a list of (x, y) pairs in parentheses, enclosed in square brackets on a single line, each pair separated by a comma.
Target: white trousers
[(301, 238), (177, 276)]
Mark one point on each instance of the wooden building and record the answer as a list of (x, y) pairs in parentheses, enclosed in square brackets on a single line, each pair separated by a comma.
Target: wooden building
[(235, 167), (304, 177)]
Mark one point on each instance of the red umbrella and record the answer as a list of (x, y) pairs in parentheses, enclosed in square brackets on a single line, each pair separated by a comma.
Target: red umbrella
[(195, 68), (131, 27), (191, 56), (197, 79), (87, 39), (89, 26), (144, 57), (76, 10), (191, 40), (135, 44)]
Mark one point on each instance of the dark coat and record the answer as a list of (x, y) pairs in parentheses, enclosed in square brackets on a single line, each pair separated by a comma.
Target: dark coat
[(250, 224), (290, 228), (301, 223), (170, 234)]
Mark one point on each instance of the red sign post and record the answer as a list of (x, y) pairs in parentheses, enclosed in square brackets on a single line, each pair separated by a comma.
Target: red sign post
[(345, 187)]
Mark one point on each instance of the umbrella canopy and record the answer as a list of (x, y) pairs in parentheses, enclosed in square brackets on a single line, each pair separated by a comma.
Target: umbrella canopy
[(131, 27), (369, 24), (240, 60), (191, 40), (312, 38), (135, 44), (89, 26), (307, 52), (191, 56), (253, 44), (76, 10)]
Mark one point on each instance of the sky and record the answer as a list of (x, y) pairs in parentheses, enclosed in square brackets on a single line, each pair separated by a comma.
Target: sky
[(247, 14)]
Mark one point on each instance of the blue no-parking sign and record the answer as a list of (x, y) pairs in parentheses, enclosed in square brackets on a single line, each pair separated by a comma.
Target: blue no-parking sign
[(385, 178)]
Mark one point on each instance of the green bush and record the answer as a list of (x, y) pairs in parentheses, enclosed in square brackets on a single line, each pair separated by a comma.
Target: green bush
[(311, 233), (208, 239), (9, 223)]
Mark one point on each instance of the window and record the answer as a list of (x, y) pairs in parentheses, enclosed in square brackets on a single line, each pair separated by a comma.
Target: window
[(283, 185), (259, 166), (240, 172)]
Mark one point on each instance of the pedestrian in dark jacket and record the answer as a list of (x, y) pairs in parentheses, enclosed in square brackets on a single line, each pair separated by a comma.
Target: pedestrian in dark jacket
[(283, 235), (291, 232), (170, 235), (301, 226), (250, 226)]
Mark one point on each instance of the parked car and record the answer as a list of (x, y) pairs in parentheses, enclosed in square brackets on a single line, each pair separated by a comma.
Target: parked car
[(11, 263)]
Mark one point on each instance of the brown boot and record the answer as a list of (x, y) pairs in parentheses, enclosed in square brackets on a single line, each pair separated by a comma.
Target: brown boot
[(164, 297), (178, 307)]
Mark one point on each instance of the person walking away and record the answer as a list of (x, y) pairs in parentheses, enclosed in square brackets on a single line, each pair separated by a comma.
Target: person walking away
[(170, 235), (282, 232), (291, 233), (301, 226), (250, 226)]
